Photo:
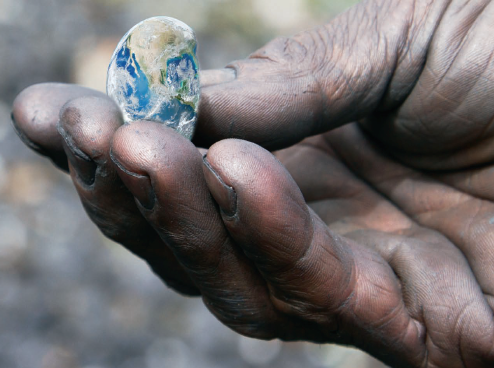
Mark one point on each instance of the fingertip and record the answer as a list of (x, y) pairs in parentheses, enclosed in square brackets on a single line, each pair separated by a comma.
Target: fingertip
[(87, 125), (155, 162), (35, 116), (250, 166), (133, 145), (36, 111), (163, 171), (271, 217)]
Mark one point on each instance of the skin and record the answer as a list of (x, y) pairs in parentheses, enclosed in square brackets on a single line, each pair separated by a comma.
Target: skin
[(373, 223)]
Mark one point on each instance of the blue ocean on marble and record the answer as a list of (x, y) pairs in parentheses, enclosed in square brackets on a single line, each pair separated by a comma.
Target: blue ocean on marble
[(154, 74)]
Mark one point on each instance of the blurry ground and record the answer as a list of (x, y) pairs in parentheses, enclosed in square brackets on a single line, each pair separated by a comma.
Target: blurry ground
[(68, 297)]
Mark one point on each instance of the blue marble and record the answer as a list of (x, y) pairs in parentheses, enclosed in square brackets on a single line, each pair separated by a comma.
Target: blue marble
[(154, 74)]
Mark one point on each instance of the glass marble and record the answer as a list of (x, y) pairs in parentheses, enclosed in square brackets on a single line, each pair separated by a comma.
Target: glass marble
[(154, 74)]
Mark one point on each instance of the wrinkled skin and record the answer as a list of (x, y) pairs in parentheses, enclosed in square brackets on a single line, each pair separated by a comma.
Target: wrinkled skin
[(376, 231)]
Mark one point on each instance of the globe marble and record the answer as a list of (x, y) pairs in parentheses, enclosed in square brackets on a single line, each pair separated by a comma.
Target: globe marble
[(154, 74)]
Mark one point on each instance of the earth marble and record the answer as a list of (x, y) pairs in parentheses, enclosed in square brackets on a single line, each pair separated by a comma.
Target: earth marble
[(154, 74)]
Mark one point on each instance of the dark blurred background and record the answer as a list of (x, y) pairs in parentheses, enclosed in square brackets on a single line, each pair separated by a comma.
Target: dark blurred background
[(69, 298)]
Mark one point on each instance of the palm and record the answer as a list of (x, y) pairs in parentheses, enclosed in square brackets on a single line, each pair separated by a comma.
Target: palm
[(430, 226)]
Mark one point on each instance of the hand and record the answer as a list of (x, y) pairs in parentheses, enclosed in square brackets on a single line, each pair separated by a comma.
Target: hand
[(376, 234)]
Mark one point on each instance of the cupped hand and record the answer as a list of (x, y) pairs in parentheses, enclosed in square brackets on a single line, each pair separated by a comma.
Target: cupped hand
[(377, 231)]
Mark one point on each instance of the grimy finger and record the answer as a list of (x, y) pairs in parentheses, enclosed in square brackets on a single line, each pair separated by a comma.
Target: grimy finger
[(87, 125), (35, 116), (164, 172), (366, 59), (312, 274)]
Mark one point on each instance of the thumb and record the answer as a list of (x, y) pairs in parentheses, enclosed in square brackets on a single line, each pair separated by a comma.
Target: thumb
[(319, 79)]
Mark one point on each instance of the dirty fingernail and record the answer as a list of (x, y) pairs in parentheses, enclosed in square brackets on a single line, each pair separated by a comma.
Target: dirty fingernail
[(139, 185), (224, 195), (84, 166)]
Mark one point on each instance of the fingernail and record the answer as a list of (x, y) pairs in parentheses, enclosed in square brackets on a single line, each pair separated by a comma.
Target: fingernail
[(223, 194), (84, 166), (23, 136), (85, 169), (139, 185)]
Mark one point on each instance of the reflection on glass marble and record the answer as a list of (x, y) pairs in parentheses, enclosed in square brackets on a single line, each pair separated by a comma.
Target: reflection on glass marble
[(154, 74)]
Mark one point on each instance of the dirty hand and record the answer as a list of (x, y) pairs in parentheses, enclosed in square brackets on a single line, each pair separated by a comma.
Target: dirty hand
[(376, 231)]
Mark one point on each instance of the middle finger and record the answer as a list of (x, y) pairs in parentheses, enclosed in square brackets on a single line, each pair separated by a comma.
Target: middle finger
[(156, 162)]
